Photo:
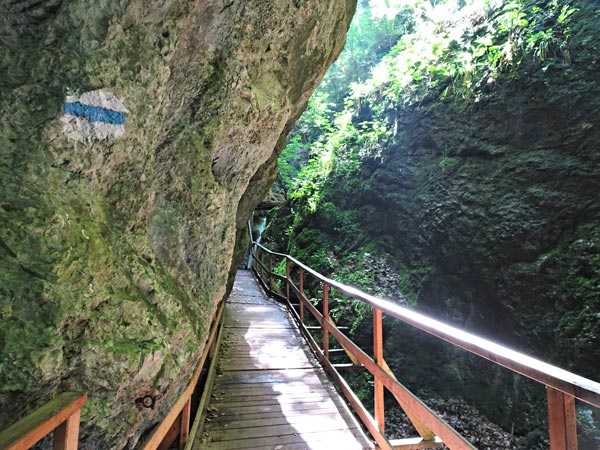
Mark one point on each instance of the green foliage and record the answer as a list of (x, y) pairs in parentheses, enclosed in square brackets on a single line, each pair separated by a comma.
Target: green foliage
[(310, 246), (417, 49), (463, 51), (411, 281), (447, 162), (325, 131), (363, 384), (411, 53), (377, 26)]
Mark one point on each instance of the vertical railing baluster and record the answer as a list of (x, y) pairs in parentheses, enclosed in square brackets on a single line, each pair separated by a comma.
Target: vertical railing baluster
[(378, 357), (211, 351), (326, 317), (301, 295), (271, 272), (66, 435), (288, 280), (184, 430), (561, 420)]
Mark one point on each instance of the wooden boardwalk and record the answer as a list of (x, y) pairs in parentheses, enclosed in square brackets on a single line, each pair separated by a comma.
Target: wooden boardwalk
[(270, 391)]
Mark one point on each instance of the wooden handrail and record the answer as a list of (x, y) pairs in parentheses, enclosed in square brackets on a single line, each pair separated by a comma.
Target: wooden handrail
[(61, 415), (177, 421), (579, 387), (563, 387)]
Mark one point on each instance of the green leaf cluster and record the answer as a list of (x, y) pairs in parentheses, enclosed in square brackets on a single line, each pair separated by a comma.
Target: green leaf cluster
[(411, 52), (408, 53), (467, 48)]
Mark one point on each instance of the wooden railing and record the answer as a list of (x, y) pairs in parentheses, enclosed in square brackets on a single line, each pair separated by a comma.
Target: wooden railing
[(61, 415), (563, 387), (176, 424)]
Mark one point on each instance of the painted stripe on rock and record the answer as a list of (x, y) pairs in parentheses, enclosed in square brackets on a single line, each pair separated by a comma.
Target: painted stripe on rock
[(95, 113)]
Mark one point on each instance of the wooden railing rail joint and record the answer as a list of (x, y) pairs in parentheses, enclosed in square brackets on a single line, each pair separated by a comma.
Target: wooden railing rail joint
[(61, 415)]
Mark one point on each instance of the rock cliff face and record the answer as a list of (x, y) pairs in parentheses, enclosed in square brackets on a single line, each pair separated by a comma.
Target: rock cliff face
[(136, 138), (499, 201), (493, 212)]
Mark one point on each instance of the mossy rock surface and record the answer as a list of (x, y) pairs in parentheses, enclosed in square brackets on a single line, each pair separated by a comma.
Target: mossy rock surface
[(114, 253)]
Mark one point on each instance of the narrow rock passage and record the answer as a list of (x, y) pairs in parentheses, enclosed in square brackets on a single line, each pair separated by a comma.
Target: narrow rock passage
[(270, 392)]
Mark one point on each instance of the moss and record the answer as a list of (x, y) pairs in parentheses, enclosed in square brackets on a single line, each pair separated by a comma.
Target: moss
[(412, 281)]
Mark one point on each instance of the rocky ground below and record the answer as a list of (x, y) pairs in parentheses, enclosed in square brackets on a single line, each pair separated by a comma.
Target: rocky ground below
[(466, 419)]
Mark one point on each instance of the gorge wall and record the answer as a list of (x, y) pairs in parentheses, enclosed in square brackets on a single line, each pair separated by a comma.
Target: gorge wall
[(136, 138), (479, 207)]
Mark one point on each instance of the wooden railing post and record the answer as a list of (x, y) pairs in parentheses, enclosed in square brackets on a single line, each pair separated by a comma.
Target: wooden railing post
[(562, 420), (301, 295), (378, 357), (184, 431), (271, 272), (211, 351), (326, 316), (66, 435), (257, 257), (288, 280)]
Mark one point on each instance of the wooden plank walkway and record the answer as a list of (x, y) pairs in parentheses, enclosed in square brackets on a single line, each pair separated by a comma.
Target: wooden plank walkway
[(270, 391)]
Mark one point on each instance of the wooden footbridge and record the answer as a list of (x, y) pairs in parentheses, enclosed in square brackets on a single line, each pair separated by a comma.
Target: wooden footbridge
[(270, 390), (267, 380)]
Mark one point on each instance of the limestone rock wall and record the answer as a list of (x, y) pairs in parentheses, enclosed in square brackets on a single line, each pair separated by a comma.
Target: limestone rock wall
[(499, 203), (118, 209)]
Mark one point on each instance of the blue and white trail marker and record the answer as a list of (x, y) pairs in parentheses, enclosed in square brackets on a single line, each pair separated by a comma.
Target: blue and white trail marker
[(94, 116)]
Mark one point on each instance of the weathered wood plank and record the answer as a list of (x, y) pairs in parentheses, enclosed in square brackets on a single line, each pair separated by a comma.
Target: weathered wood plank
[(330, 440), (282, 341), (309, 424), (273, 397), (268, 326), (239, 334), (268, 389), (301, 446), (281, 419), (270, 376), (281, 347), (320, 400), (217, 417), (255, 354), (306, 406), (279, 387), (263, 365)]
